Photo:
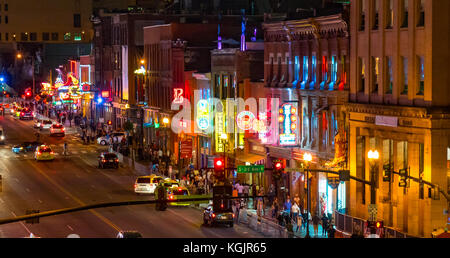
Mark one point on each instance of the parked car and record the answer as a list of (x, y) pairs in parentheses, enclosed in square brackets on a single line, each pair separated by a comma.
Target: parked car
[(105, 140)]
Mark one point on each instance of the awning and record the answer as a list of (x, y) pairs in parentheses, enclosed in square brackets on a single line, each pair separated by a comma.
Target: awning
[(250, 157)]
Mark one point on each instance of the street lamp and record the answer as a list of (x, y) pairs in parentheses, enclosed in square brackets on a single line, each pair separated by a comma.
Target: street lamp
[(19, 56), (307, 157), (373, 157)]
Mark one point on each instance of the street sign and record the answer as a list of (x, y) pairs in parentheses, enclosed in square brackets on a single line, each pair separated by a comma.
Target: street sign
[(301, 170), (186, 149), (250, 169), (372, 212)]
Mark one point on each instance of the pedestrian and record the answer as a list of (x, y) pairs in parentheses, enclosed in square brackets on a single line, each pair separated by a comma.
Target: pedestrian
[(316, 221), (246, 192), (325, 221), (331, 231), (238, 209), (295, 211), (254, 193), (288, 206), (271, 193), (356, 232), (275, 206), (70, 119)]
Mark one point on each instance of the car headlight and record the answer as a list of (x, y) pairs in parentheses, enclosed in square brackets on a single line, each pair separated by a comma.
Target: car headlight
[(2, 137)]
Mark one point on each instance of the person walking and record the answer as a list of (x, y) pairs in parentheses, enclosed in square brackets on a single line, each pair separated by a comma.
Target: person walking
[(254, 193), (288, 206), (316, 221), (271, 193), (246, 192), (331, 231), (275, 206), (295, 211), (65, 149), (325, 222)]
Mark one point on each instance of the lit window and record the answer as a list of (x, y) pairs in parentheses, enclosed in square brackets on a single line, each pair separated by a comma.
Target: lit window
[(324, 72), (390, 14), (334, 71), (421, 75), (376, 73), (405, 75), (67, 36), (390, 78), (362, 74), (305, 72), (296, 69), (313, 72)]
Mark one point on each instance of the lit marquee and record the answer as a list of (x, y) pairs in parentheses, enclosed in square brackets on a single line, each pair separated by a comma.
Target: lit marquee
[(288, 124)]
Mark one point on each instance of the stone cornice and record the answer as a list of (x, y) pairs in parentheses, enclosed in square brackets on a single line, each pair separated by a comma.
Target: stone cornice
[(316, 28), (398, 111)]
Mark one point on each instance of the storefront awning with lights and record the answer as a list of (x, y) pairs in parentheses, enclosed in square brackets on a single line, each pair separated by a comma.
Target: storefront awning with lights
[(249, 157)]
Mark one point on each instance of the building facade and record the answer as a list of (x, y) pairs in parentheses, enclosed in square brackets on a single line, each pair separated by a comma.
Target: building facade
[(399, 106), (306, 67)]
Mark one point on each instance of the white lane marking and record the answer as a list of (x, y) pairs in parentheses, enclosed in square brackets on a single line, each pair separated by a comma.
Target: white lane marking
[(39, 201), (21, 223), (70, 227)]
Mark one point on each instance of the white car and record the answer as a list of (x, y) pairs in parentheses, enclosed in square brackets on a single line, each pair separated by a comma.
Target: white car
[(57, 129), (147, 184), (37, 123), (45, 124), (105, 140)]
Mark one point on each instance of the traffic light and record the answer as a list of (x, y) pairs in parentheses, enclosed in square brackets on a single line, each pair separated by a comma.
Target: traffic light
[(387, 172), (403, 178), (219, 168), (277, 170)]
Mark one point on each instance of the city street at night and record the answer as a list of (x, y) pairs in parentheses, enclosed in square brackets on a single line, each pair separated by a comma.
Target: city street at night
[(75, 180), (225, 126)]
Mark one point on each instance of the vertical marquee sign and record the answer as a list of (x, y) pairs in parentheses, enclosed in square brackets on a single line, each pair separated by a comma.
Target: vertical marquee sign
[(288, 124)]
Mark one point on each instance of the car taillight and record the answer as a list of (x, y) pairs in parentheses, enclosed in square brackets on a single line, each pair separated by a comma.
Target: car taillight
[(233, 215), (135, 185), (51, 152), (117, 160), (39, 153), (171, 197), (63, 129), (22, 114), (103, 160), (213, 215)]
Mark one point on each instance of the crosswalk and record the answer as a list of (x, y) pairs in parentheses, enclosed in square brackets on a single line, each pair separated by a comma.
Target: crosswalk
[(74, 149)]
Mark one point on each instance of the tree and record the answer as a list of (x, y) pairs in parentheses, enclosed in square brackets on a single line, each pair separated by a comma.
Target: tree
[(128, 126)]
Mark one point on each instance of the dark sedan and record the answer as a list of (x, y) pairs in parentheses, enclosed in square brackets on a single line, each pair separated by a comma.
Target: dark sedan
[(108, 159), (26, 147)]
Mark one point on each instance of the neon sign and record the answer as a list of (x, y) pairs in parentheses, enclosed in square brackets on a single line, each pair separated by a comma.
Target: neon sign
[(245, 120), (178, 95), (288, 124), (202, 114)]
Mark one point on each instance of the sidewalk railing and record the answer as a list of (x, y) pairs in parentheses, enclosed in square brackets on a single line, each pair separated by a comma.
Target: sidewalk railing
[(263, 226), (346, 224)]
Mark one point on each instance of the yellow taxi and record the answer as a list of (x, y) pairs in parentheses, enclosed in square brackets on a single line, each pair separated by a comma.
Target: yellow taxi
[(44, 152), (177, 193)]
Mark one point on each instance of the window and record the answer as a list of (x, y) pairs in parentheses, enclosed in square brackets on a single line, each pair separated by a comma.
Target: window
[(362, 74), (421, 63), (77, 36), (313, 72), (226, 82), (0, 36), (0, 19), (55, 36), (376, 73), (14, 37), (6, 7), (24, 36), (404, 17), (45, 36), (67, 36), (217, 87), (6, 36), (390, 14), (77, 20), (6, 20), (362, 15), (324, 72), (305, 69), (334, 68), (389, 77), (360, 166), (405, 75), (296, 69), (33, 36), (376, 9), (421, 13)]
